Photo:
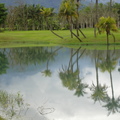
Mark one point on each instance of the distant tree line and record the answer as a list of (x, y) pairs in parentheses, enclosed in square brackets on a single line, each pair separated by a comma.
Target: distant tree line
[(33, 17)]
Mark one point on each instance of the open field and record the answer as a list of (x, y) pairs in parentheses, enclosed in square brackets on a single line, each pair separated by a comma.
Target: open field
[(43, 38)]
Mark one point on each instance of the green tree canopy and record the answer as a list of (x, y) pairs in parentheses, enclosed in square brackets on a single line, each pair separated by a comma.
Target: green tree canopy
[(3, 13), (107, 24)]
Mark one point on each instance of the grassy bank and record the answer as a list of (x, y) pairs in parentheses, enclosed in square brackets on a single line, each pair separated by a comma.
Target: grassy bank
[(41, 38)]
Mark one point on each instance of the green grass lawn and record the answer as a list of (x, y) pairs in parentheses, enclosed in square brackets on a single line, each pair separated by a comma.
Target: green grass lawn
[(43, 38)]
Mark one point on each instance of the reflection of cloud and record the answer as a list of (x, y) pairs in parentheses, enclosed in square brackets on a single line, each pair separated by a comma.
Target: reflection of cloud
[(49, 92)]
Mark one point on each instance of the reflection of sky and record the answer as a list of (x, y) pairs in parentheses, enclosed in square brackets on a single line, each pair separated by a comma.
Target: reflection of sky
[(49, 92)]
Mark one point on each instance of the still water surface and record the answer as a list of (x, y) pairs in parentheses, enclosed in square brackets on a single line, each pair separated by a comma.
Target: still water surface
[(57, 83)]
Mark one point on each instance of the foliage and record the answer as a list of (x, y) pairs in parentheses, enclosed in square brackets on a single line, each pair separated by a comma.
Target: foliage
[(107, 64), (3, 63), (69, 79), (3, 13), (112, 105), (67, 9), (1, 118), (46, 11), (99, 92), (80, 90), (47, 73), (107, 24), (11, 105)]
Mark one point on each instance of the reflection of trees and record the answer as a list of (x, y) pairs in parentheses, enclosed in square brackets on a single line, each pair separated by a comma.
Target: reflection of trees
[(109, 64), (47, 72), (27, 56), (70, 75), (118, 69), (99, 91), (1, 118), (3, 63), (12, 105), (112, 105)]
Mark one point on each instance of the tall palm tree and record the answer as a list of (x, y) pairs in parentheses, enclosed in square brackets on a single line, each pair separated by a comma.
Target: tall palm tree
[(47, 13), (107, 25), (67, 11), (96, 17)]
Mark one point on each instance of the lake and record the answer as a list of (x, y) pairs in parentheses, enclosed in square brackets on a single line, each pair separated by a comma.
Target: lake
[(59, 83)]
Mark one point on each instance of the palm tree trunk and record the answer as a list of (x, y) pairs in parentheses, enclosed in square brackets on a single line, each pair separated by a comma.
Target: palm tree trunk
[(110, 8), (107, 38), (96, 19), (76, 36), (50, 28), (82, 33)]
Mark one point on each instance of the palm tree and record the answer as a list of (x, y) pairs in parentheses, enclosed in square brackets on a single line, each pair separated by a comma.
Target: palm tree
[(47, 13), (107, 24), (67, 11), (96, 17)]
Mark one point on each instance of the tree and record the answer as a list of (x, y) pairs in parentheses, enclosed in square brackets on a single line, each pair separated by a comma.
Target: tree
[(68, 11), (47, 13), (107, 24), (3, 13)]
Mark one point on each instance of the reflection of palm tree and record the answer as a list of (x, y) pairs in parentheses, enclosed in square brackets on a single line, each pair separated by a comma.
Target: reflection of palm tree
[(109, 64), (3, 63), (80, 90), (70, 77), (47, 72), (113, 105), (99, 91), (118, 69)]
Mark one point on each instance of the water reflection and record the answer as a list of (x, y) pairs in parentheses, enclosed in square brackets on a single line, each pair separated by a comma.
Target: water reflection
[(60, 83)]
